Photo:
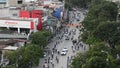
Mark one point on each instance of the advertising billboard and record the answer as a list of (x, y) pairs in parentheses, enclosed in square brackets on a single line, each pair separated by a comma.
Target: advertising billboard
[(15, 24)]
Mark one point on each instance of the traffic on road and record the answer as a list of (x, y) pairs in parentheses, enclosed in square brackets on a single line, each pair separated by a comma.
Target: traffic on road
[(65, 45)]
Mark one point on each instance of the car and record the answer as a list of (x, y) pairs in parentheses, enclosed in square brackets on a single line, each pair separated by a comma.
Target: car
[(63, 52)]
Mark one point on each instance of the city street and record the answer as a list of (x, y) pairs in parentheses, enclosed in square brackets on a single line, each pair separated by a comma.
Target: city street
[(60, 43), (59, 33)]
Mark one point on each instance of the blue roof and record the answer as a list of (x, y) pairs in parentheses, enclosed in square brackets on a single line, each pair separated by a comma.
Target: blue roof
[(57, 13)]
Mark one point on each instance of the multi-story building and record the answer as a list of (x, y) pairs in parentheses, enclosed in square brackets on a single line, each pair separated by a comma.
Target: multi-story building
[(8, 3)]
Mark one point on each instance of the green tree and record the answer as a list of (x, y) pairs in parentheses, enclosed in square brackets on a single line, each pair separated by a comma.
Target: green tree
[(12, 55), (40, 38), (95, 62), (108, 32), (84, 36), (98, 56), (98, 13), (78, 61), (31, 54), (25, 56), (79, 3)]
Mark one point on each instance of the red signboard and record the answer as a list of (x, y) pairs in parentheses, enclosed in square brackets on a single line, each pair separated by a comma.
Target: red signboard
[(34, 14), (38, 14), (25, 14)]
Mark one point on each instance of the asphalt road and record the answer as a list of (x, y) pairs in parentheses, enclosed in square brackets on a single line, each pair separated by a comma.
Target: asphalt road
[(63, 60)]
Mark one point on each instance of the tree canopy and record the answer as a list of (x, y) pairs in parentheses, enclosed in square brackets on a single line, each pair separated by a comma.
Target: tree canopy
[(40, 38), (99, 56), (105, 11), (108, 32), (77, 3), (25, 56), (100, 14), (102, 33)]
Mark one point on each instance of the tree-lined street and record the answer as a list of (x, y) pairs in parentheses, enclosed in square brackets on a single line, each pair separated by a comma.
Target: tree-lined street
[(87, 37), (60, 43)]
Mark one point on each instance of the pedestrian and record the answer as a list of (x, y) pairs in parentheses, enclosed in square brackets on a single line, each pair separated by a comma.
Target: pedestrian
[(68, 58), (73, 51), (55, 46), (84, 47), (56, 43), (57, 60), (75, 47), (52, 56), (48, 59), (78, 47), (73, 42), (58, 52), (43, 65), (72, 47), (45, 60), (48, 66), (51, 61), (72, 38), (55, 50), (52, 65)]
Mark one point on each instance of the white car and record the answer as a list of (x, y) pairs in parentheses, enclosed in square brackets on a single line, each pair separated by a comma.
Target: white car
[(64, 51)]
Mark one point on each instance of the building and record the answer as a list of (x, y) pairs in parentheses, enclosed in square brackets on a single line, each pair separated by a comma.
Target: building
[(9, 12), (21, 25), (7, 3), (9, 45), (3, 3), (15, 3), (33, 14)]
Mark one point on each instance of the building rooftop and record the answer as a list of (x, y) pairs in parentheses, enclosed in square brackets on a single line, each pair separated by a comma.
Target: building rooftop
[(7, 44), (11, 41), (11, 48)]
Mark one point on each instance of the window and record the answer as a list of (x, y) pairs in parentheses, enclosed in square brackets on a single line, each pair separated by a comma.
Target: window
[(15, 14), (20, 1)]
